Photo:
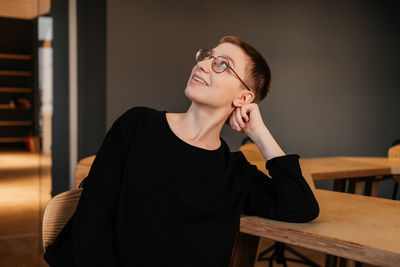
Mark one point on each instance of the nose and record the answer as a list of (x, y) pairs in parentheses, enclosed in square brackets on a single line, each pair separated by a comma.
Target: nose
[(205, 65)]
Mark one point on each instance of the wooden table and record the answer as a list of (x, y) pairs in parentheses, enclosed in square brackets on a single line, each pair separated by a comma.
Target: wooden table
[(325, 168), (355, 171), (350, 173), (365, 229)]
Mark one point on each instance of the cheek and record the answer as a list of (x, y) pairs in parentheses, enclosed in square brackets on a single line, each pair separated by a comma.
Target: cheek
[(225, 85), (193, 70), (224, 91)]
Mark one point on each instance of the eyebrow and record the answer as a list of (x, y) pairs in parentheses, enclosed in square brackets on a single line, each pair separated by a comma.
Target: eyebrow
[(228, 57)]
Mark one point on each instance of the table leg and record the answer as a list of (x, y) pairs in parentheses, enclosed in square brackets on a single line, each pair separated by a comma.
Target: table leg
[(396, 186), (355, 187), (342, 262), (371, 188), (330, 260), (352, 263), (244, 251), (339, 185)]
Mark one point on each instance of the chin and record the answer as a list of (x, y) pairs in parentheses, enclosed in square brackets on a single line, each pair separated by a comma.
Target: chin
[(201, 99), (192, 94)]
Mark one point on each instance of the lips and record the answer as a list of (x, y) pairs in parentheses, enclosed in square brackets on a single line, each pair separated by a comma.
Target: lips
[(199, 80)]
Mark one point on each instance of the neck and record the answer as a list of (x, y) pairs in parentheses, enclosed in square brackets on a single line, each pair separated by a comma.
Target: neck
[(204, 124)]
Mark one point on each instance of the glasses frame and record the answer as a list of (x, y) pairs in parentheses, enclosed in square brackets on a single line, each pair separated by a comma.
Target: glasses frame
[(216, 58)]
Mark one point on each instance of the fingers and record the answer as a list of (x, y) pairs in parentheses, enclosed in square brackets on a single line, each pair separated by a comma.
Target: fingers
[(233, 121), (244, 114), (238, 116), (237, 119)]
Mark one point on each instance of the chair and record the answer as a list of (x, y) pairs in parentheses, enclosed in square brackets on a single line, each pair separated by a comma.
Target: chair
[(57, 213), (251, 151), (82, 169), (394, 153)]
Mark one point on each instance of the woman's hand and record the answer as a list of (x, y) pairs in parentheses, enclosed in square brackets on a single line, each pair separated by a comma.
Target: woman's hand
[(246, 119)]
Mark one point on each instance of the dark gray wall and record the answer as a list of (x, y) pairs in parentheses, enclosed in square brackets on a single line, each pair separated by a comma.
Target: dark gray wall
[(91, 75), (334, 66)]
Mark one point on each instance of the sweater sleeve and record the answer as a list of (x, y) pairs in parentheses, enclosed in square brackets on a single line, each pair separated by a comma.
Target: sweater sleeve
[(286, 196), (90, 239)]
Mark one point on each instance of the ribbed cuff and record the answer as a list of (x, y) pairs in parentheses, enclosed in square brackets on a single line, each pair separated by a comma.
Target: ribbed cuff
[(282, 161)]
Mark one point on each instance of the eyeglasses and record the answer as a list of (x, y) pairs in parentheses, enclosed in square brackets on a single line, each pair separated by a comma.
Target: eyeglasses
[(218, 65)]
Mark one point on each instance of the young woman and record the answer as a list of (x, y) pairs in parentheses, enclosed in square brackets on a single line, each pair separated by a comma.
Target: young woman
[(165, 190)]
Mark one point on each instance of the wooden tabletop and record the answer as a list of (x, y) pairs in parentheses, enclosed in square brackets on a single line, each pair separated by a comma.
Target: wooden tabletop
[(343, 167), (366, 229), (392, 163), (325, 168)]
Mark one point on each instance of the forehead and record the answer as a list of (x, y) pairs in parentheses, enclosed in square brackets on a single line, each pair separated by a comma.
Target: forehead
[(234, 52)]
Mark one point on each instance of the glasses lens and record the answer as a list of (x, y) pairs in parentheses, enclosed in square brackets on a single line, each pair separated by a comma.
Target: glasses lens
[(202, 54), (219, 64)]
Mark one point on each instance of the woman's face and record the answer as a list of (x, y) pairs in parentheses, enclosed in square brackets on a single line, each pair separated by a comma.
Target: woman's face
[(218, 89)]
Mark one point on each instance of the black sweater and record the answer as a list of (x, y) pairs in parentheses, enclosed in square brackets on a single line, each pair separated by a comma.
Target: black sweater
[(151, 199)]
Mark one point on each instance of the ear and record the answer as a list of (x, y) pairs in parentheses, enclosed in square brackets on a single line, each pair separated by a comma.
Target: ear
[(243, 98)]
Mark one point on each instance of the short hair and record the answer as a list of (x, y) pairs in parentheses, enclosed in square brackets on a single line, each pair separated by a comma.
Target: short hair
[(258, 74)]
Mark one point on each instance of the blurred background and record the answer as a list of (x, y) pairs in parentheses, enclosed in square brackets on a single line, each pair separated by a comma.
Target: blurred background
[(68, 69)]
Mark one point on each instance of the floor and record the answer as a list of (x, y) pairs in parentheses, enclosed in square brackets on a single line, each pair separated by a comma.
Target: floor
[(24, 190), (25, 185)]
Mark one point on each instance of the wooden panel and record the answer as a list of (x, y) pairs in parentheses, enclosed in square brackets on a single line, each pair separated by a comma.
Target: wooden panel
[(8, 106), (15, 123), (16, 56), (15, 73), (15, 90), (12, 139)]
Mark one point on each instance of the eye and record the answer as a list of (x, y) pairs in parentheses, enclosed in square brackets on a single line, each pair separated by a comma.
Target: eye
[(206, 56), (220, 64), (203, 54), (223, 65)]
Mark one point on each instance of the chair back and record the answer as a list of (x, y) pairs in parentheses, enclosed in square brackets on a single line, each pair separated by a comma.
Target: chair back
[(251, 152), (57, 213), (394, 152), (82, 169)]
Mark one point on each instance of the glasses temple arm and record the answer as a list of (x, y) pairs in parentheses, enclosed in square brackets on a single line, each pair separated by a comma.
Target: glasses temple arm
[(239, 78)]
